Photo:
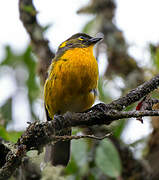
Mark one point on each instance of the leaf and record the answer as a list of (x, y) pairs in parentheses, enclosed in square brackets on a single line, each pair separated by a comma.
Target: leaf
[(11, 58), (80, 156), (3, 133), (118, 129), (6, 110), (155, 55), (157, 58), (107, 159), (79, 159), (92, 27), (11, 136), (103, 96), (45, 28), (14, 135), (72, 167), (29, 9), (79, 152), (89, 26), (9, 54), (26, 62)]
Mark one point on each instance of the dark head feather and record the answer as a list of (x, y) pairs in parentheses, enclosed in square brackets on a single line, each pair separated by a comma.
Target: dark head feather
[(79, 40)]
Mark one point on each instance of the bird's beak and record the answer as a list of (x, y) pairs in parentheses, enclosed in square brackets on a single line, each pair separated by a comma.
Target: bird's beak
[(94, 40)]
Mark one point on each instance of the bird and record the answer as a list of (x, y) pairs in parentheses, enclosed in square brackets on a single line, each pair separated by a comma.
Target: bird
[(71, 86)]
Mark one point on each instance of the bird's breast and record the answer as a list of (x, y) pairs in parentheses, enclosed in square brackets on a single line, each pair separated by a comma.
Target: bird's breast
[(80, 70), (71, 81)]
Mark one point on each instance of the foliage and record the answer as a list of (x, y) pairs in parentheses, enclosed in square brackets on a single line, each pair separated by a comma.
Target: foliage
[(107, 159), (11, 136), (21, 67), (90, 159), (155, 56)]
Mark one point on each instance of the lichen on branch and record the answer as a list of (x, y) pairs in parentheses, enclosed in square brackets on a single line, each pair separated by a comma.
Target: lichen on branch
[(37, 135)]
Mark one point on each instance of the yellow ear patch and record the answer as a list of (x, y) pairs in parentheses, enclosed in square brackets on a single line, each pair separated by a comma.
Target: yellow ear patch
[(63, 44), (80, 39)]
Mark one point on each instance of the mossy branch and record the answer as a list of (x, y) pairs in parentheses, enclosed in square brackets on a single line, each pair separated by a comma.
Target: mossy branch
[(37, 135)]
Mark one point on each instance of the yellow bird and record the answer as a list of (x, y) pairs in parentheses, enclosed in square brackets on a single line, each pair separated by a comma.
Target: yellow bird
[(71, 86)]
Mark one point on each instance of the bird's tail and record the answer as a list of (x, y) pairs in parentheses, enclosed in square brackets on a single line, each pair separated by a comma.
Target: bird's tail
[(59, 153)]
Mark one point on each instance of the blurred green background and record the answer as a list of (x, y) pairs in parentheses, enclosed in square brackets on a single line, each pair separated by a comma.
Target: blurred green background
[(125, 61)]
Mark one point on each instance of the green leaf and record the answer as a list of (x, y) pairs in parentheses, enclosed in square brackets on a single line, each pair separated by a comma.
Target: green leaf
[(30, 63), (27, 62), (157, 59), (89, 26), (72, 167), (155, 55), (14, 135), (11, 136), (79, 161), (3, 133), (79, 152), (103, 94), (6, 111), (30, 9), (107, 159), (118, 129), (92, 26), (45, 28), (11, 58), (78, 165)]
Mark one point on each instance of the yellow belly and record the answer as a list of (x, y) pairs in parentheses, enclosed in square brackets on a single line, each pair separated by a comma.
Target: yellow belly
[(71, 79)]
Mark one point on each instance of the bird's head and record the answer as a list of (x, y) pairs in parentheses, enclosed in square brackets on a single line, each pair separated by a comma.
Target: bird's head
[(79, 40)]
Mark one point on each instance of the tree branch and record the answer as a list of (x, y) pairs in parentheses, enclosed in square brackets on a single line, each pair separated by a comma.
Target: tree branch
[(13, 160), (135, 94), (38, 42), (66, 138), (39, 134)]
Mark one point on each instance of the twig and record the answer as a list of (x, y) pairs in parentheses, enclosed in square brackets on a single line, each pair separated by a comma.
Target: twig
[(134, 95), (66, 138), (133, 114)]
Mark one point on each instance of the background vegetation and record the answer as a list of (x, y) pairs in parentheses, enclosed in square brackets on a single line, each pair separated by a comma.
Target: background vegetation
[(90, 159)]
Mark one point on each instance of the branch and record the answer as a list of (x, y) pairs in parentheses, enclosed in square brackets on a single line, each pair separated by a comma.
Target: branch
[(39, 134), (66, 138), (13, 160), (135, 94), (14, 157), (38, 42)]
